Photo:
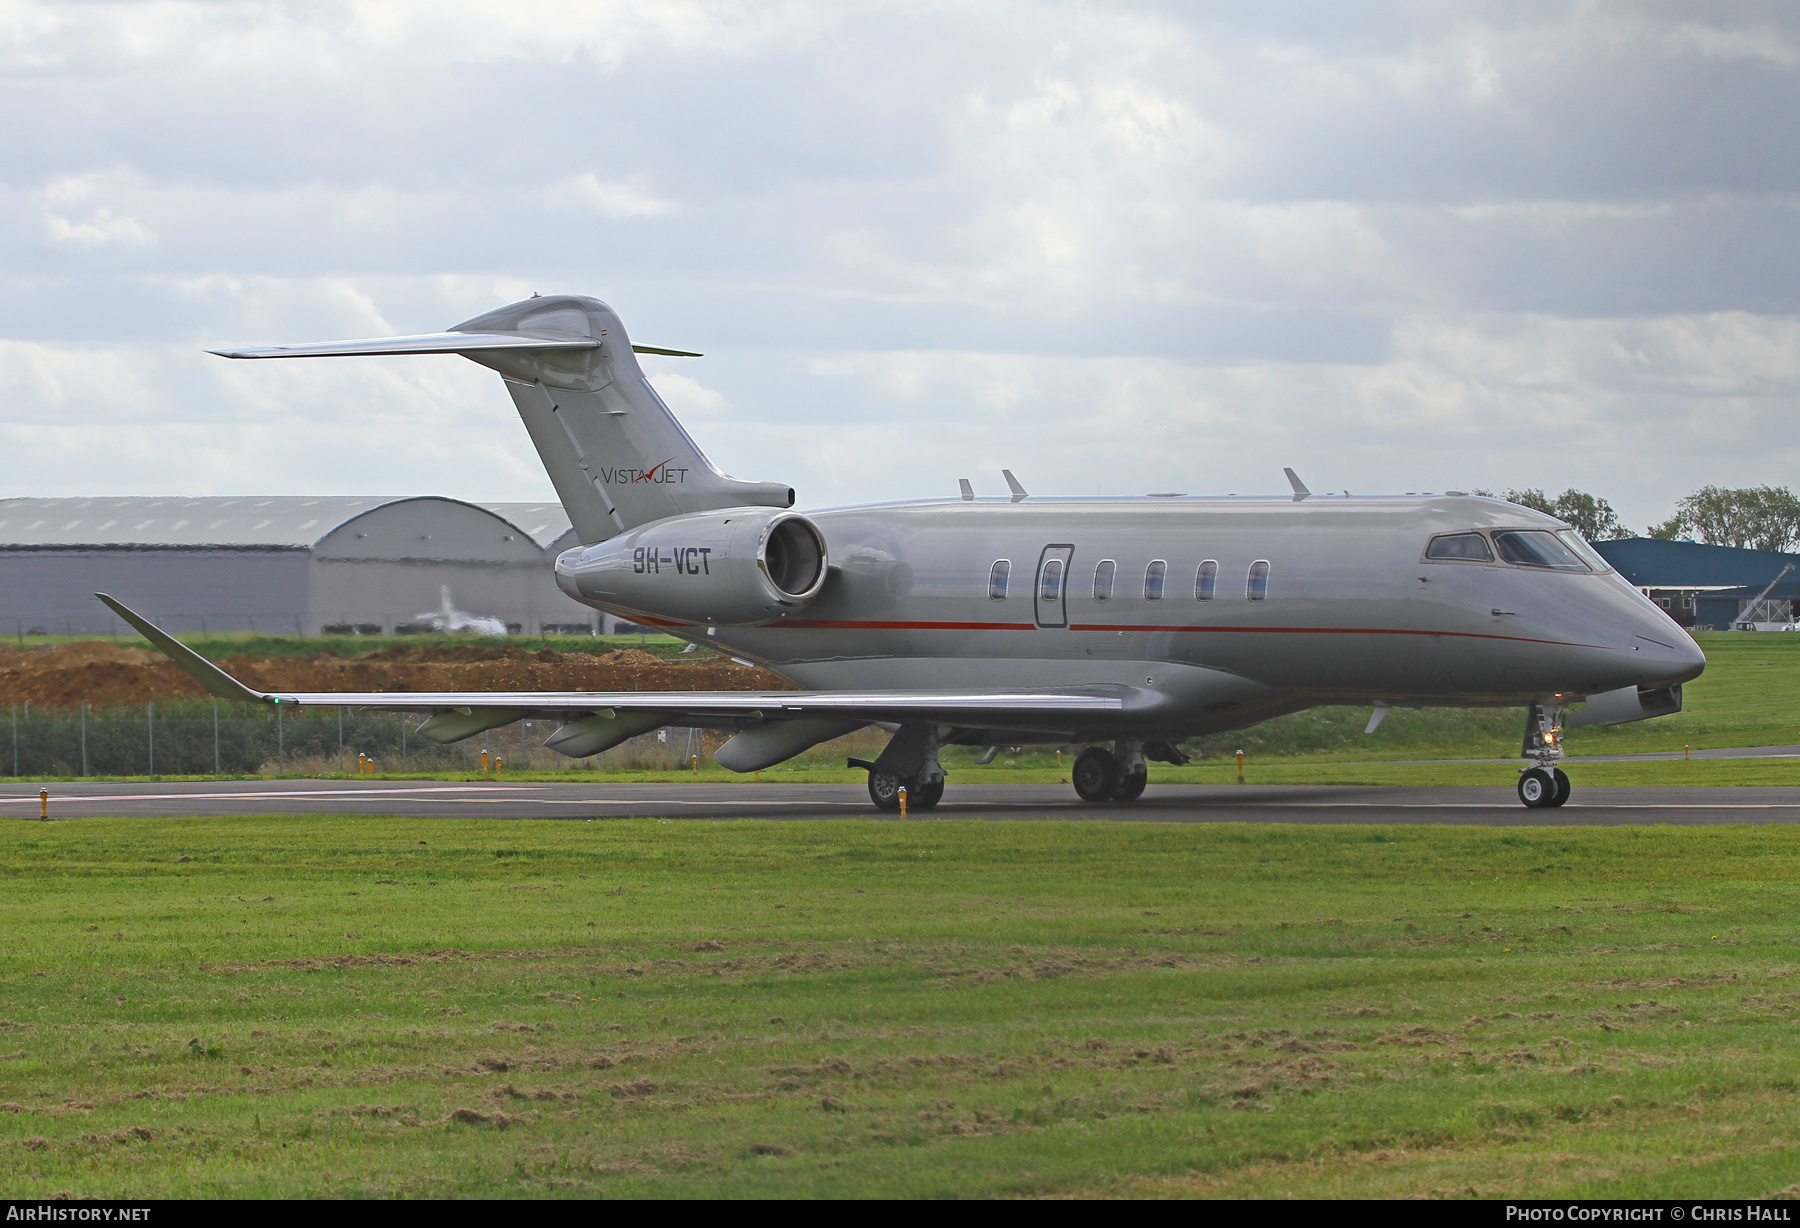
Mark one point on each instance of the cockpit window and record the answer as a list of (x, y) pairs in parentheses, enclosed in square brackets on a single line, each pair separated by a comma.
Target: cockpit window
[(1592, 557), (1537, 548), (1462, 547)]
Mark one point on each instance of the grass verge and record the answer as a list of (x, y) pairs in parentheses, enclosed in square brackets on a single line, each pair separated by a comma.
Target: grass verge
[(354, 1006)]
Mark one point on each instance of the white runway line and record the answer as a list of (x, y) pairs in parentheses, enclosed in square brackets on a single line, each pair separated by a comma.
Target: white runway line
[(188, 797)]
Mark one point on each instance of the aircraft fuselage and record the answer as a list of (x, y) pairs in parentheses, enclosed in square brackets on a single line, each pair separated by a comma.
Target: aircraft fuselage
[(1347, 609)]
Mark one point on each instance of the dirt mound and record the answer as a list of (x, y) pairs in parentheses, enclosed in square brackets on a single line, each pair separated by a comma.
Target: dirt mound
[(68, 656), (101, 674)]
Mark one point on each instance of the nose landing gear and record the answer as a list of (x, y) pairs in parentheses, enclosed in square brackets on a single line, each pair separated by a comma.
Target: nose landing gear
[(1546, 785), (1539, 788)]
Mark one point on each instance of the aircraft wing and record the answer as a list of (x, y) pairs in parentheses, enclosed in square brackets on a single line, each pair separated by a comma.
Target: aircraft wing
[(1048, 708)]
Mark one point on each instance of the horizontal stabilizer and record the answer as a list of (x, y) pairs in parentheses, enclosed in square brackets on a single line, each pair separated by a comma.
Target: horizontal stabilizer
[(424, 343)]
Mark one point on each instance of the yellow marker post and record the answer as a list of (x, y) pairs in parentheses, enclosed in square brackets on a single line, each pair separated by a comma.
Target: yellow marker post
[(498, 764), (1684, 752), (1240, 759), (484, 759), (903, 801), (44, 804), (696, 765)]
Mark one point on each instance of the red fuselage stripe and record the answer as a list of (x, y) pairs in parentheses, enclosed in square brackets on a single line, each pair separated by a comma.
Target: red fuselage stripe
[(855, 624), (871, 625), (1466, 635)]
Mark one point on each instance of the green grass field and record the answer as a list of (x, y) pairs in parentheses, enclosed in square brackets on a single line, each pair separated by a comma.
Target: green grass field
[(1743, 699), (347, 1007)]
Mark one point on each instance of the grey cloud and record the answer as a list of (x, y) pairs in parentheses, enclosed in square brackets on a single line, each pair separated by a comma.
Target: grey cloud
[(1212, 207)]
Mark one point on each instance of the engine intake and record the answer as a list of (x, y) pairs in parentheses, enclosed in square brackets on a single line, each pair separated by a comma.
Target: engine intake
[(739, 567)]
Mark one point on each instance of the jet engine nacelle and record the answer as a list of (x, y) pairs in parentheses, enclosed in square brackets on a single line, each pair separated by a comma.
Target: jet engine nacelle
[(739, 567)]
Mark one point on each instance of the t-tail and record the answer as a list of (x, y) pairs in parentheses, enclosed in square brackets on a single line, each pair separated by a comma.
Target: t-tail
[(616, 455)]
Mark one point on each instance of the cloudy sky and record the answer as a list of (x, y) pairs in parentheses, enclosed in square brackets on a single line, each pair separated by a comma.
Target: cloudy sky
[(1117, 248)]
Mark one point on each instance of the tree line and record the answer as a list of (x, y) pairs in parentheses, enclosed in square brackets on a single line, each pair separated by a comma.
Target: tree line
[(1749, 517)]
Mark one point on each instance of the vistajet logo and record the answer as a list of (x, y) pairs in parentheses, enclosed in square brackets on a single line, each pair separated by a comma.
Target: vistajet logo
[(662, 475)]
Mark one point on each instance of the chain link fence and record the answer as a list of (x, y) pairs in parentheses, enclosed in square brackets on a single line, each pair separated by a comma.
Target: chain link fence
[(198, 739)]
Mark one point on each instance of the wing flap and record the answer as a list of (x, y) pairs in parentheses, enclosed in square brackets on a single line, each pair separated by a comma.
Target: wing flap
[(956, 707)]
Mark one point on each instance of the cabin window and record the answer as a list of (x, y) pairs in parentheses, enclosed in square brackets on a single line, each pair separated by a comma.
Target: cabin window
[(1206, 580), (1103, 579), (1462, 547), (1051, 587), (1537, 548), (1154, 575), (1256, 588), (997, 578)]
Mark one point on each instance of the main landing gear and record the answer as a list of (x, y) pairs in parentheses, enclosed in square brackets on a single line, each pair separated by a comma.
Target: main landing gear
[(1544, 786), (1100, 776), (884, 791)]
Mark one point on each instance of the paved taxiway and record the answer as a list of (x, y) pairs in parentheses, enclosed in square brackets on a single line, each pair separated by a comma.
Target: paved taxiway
[(1161, 803)]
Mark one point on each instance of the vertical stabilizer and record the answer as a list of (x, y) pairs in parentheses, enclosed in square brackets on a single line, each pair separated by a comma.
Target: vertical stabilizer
[(614, 452), (617, 456)]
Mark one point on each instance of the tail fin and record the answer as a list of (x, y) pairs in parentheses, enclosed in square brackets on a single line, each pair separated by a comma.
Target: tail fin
[(616, 455)]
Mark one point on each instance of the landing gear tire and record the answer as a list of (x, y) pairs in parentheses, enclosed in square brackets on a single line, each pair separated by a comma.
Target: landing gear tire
[(1095, 775), (1131, 787), (1538, 788), (1563, 787), (884, 790)]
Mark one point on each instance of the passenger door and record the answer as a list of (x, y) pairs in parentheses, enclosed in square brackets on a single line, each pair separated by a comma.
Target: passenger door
[(1050, 597)]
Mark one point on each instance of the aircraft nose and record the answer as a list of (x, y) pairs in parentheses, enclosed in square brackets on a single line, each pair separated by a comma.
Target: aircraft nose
[(1666, 653)]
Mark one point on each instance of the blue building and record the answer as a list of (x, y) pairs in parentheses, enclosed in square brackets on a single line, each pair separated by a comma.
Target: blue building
[(1709, 588)]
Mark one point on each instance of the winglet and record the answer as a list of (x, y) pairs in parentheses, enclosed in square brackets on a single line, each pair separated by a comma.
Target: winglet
[(968, 491), (215, 680), (1018, 491), (1300, 491)]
